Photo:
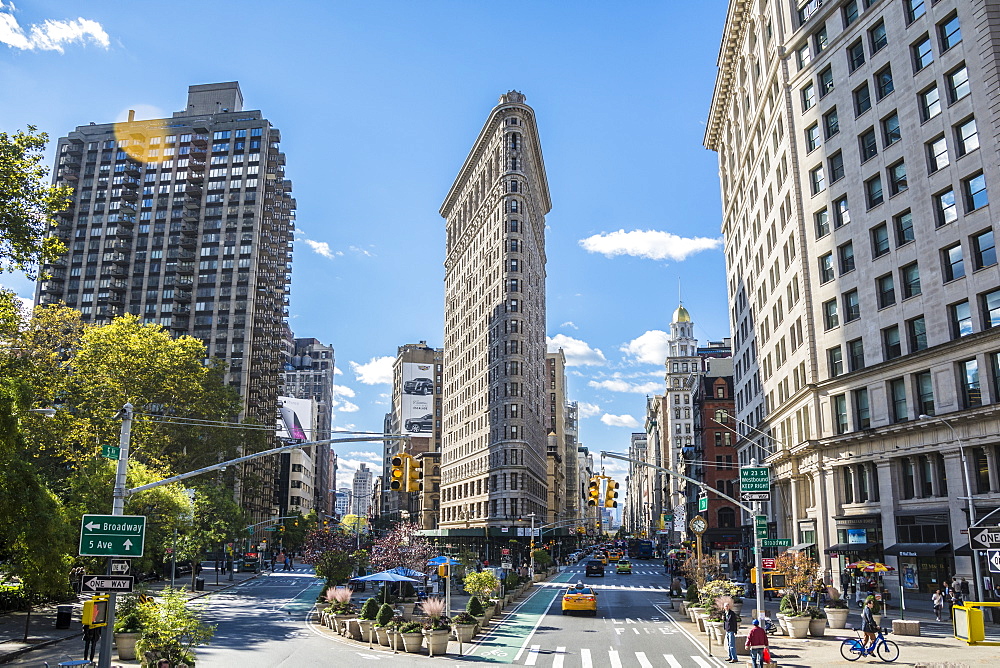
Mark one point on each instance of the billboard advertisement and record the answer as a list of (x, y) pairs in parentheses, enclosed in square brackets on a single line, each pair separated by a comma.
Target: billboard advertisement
[(295, 419), (417, 399)]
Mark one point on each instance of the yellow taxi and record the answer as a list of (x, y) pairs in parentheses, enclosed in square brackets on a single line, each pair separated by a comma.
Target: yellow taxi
[(602, 556), (623, 566), (614, 555), (579, 598)]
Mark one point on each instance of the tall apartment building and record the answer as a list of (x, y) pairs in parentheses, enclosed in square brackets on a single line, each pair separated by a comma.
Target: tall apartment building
[(186, 222), (857, 145), (416, 412), (564, 503), (494, 437), (309, 374), (362, 486)]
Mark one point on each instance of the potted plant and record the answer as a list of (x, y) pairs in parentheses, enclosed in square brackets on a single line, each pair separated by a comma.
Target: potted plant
[(383, 621), (817, 621), (691, 599), (836, 609), (172, 628), (366, 620), (475, 608), (437, 628), (802, 575), (465, 626), (481, 585), (340, 607), (411, 633), (128, 625)]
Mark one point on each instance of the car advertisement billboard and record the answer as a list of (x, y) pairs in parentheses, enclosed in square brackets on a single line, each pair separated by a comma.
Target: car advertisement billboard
[(295, 417), (418, 398)]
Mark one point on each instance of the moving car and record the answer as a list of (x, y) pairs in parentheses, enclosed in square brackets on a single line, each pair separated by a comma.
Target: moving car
[(603, 557), (419, 424), (579, 598), (623, 566), (418, 386), (614, 555), (594, 567)]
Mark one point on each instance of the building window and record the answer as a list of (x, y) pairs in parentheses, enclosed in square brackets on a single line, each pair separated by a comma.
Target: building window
[(961, 319), (945, 210), (820, 39), (852, 306), (836, 167), (803, 57), (862, 413), (966, 137), (923, 54), (914, 9), (840, 413), (925, 393), (972, 395), (841, 212), (897, 178), (883, 82), (835, 361), (930, 103), (878, 36), (856, 55), (910, 277), (974, 188), (897, 394), (873, 191), (984, 250), (952, 263), (869, 145), (826, 268), (822, 218), (727, 518), (850, 12), (950, 32), (830, 316), (904, 228), (937, 154), (891, 344), (890, 129), (845, 254), (825, 82), (880, 240), (958, 84), (862, 99), (991, 309), (812, 137), (856, 354), (817, 180), (831, 123), (808, 96), (916, 334), (886, 290)]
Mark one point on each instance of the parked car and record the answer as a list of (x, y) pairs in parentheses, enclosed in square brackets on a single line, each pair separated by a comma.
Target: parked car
[(418, 386), (424, 423)]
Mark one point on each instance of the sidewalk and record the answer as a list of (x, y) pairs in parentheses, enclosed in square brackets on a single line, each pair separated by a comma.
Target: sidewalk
[(42, 631)]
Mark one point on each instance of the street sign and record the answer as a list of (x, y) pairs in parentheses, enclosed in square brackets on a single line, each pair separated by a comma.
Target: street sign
[(702, 504), (505, 551), (120, 584), (120, 567), (985, 537), (776, 542), (993, 557), (755, 479), (110, 451), (112, 535), (755, 496), (767, 562), (760, 524), (506, 564)]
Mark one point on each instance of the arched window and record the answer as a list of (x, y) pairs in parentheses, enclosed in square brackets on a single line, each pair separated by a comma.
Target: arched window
[(722, 416), (727, 518)]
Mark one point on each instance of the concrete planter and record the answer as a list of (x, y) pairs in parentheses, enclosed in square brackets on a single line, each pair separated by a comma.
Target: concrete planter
[(714, 629), (798, 627), (817, 627), (738, 607), (693, 612), (367, 629), (407, 610), (701, 619), (382, 635), (412, 642), (125, 642), (684, 607), (465, 632), (836, 618), (437, 641)]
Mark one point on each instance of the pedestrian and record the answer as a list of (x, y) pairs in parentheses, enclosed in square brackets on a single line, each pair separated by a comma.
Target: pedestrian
[(956, 597), (937, 599), (731, 625), (756, 643), (868, 626), (964, 588)]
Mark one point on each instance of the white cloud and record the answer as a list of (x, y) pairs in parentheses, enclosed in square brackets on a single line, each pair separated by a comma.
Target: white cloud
[(619, 420), (323, 248), (376, 371), (346, 407), (49, 35), (651, 244), (649, 348), (343, 391), (360, 251), (585, 410), (337, 371), (569, 324), (370, 456), (346, 468), (619, 385), (578, 353)]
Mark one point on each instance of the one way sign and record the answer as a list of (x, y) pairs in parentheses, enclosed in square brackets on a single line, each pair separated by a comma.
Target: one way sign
[(985, 537), (993, 557), (120, 584)]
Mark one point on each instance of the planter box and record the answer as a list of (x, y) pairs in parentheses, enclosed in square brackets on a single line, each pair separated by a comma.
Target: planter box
[(437, 642), (836, 618), (412, 642), (901, 627), (125, 642), (741, 645), (465, 632), (798, 627), (352, 629), (817, 627), (382, 636)]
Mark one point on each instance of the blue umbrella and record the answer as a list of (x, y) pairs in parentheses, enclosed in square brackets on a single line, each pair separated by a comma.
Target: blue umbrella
[(386, 576), (437, 561), (408, 572)]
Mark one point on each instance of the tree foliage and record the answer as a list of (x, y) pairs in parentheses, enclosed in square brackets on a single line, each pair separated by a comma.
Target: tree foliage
[(27, 204), (802, 577), (173, 628), (404, 546)]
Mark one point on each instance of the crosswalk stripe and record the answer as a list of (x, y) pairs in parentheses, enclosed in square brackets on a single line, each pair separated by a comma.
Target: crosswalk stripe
[(643, 661), (702, 663), (615, 661), (671, 661), (532, 655), (585, 658), (560, 655)]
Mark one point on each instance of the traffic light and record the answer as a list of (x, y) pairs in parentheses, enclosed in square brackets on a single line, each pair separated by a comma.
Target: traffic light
[(414, 475), (398, 473), (594, 492), (443, 570), (611, 494)]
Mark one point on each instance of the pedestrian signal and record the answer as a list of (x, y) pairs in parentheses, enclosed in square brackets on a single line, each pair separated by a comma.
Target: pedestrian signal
[(95, 612), (443, 571)]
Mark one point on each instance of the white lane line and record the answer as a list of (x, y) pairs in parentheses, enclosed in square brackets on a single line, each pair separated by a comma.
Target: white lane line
[(538, 623), (702, 663), (532, 655), (560, 655), (671, 661), (615, 661), (585, 659), (643, 661)]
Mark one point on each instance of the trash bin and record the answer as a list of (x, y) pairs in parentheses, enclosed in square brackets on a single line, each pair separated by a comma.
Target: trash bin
[(64, 615), (199, 584)]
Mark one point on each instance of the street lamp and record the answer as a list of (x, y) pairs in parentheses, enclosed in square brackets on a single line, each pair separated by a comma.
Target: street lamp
[(968, 498)]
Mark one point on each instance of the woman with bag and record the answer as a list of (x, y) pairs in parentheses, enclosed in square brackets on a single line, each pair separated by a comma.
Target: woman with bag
[(757, 644), (937, 599)]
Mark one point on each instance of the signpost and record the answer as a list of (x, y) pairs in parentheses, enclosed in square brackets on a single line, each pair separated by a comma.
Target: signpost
[(703, 503), (120, 584), (755, 496), (755, 483), (120, 566), (112, 535), (768, 563)]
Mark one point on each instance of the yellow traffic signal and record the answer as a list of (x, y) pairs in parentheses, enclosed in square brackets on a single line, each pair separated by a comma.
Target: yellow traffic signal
[(443, 571), (413, 475), (594, 491), (397, 474), (95, 611), (611, 494)]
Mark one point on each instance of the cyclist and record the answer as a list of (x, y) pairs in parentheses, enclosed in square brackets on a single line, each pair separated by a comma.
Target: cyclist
[(868, 626)]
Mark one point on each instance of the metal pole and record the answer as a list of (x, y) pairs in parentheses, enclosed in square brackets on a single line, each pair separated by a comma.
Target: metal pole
[(117, 509), (531, 549), (758, 560)]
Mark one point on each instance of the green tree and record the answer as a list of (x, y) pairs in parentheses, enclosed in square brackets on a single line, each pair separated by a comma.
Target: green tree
[(27, 205), (173, 628)]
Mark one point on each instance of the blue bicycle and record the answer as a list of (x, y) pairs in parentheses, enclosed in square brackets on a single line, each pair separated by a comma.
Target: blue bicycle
[(887, 650)]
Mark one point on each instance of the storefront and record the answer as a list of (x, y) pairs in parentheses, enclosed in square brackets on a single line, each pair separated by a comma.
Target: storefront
[(859, 537), (922, 566)]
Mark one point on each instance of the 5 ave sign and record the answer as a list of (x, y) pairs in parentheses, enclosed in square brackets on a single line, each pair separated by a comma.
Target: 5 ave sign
[(985, 537), (112, 535)]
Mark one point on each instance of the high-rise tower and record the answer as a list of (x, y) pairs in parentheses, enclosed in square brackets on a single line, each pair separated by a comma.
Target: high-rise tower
[(494, 441), (186, 222)]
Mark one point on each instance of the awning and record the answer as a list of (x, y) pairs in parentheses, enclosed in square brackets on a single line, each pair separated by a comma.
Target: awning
[(964, 551), (840, 548), (801, 546), (916, 549)]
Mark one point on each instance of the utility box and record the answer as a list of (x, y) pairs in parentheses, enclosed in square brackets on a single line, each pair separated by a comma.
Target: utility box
[(968, 622)]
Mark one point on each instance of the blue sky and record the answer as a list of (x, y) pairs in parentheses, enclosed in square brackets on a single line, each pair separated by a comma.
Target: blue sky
[(378, 104)]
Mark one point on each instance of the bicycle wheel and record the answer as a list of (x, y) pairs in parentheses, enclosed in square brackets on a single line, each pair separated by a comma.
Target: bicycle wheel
[(888, 651), (850, 650)]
